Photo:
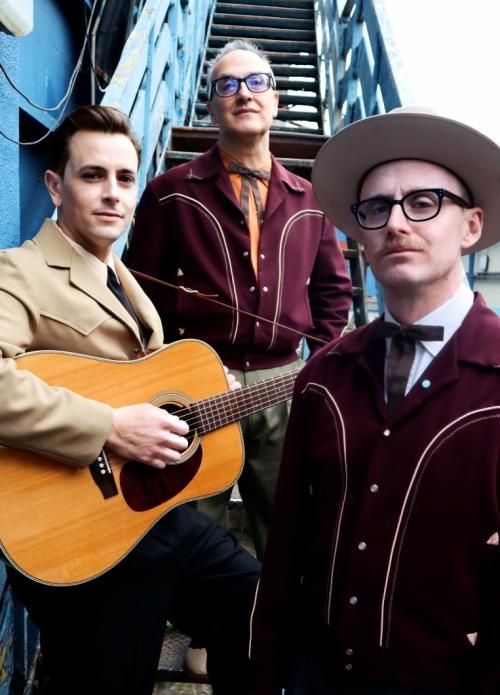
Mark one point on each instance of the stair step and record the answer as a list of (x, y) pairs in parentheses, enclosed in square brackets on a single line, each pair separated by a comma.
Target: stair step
[(289, 4), (282, 144), (252, 20), (275, 55), (267, 44), (179, 156), (262, 32), (281, 70), (303, 83), (267, 10), (300, 99)]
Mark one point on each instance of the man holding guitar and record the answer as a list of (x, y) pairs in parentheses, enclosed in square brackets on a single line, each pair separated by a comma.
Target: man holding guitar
[(64, 290)]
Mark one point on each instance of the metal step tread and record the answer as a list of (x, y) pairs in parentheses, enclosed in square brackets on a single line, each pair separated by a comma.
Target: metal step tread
[(262, 31), (171, 664), (266, 10), (282, 143), (257, 20), (289, 4), (288, 162)]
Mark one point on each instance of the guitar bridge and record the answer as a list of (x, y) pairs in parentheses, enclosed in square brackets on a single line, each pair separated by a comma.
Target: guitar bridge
[(102, 475)]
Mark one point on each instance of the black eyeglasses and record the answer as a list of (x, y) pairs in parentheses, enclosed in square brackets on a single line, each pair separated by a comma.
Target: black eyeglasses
[(228, 86), (417, 206)]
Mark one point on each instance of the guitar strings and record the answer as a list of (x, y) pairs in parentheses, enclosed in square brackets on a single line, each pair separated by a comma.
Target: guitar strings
[(198, 410), (237, 402)]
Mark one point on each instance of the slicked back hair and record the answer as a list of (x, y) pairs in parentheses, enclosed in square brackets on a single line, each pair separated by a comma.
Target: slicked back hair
[(237, 45), (96, 119)]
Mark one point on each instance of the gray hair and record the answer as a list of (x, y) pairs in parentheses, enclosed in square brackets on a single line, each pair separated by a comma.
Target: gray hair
[(237, 45)]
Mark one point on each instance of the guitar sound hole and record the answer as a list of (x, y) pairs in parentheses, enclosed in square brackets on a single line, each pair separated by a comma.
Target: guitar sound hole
[(180, 411)]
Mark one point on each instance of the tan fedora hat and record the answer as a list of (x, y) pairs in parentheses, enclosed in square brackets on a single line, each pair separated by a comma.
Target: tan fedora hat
[(407, 133)]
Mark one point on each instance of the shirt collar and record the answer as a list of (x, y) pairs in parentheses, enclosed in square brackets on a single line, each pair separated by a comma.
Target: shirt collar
[(450, 315), (99, 267)]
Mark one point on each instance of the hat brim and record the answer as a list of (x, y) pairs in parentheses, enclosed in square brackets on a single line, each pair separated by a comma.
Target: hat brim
[(354, 150)]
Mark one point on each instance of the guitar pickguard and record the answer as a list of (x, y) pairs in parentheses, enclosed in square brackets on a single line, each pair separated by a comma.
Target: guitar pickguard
[(144, 487)]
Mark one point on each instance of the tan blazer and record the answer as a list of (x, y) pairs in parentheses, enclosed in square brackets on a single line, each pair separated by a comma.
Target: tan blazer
[(50, 299)]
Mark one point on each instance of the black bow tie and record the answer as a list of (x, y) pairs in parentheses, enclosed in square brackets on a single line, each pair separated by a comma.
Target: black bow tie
[(386, 329)]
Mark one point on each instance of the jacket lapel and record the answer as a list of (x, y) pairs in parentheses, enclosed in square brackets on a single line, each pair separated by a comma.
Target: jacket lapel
[(60, 254)]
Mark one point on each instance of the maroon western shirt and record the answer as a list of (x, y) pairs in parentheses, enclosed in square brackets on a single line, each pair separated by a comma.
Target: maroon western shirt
[(190, 231), (384, 538)]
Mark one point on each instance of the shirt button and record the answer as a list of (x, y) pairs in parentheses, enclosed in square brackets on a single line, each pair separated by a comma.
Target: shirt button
[(348, 667), (263, 255), (245, 253), (387, 433), (242, 222), (349, 652), (374, 487), (265, 289), (252, 289), (353, 600), (247, 364), (257, 323), (362, 545)]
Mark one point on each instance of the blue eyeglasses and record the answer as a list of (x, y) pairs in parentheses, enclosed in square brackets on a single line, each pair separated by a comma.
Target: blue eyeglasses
[(228, 86)]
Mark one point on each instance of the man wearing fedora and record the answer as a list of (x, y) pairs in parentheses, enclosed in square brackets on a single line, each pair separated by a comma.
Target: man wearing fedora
[(381, 575)]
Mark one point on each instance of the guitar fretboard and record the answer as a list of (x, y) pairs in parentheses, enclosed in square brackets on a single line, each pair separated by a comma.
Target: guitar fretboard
[(217, 411)]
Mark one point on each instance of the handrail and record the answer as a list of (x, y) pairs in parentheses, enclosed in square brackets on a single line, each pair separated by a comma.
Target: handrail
[(157, 72), (360, 73)]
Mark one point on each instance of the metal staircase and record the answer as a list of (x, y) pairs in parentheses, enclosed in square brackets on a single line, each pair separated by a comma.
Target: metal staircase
[(285, 30)]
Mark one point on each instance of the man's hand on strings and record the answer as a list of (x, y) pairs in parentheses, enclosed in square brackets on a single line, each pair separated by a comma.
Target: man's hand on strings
[(147, 434)]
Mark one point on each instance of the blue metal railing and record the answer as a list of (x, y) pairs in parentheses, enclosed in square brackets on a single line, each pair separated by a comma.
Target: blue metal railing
[(155, 80), (360, 72)]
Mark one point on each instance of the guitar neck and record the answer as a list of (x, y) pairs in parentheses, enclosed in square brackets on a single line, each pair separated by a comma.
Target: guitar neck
[(225, 408)]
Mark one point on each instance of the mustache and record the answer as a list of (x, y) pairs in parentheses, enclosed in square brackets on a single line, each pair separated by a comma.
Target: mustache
[(402, 243)]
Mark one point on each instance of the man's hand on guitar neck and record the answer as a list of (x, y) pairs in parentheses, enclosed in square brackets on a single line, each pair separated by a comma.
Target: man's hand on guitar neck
[(147, 434)]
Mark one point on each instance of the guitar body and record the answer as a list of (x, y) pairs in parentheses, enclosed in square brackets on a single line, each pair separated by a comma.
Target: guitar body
[(61, 525)]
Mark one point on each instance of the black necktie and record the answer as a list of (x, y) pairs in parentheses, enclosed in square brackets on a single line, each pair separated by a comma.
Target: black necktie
[(116, 288), (248, 180), (402, 354)]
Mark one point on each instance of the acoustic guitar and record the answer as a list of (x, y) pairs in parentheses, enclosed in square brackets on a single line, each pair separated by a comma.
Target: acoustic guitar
[(61, 525)]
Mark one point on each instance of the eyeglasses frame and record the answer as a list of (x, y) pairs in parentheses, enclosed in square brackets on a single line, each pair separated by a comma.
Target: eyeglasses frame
[(272, 84), (440, 192)]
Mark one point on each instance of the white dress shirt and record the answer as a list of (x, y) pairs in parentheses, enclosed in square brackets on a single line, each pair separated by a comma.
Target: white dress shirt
[(450, 315)]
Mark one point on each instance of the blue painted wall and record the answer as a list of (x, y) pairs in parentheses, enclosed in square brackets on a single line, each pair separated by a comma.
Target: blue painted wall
[(9, 155), (40, 65)]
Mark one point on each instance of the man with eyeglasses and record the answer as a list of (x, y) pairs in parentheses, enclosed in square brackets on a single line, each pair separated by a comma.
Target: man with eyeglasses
[(234, 225), (382, 570)]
